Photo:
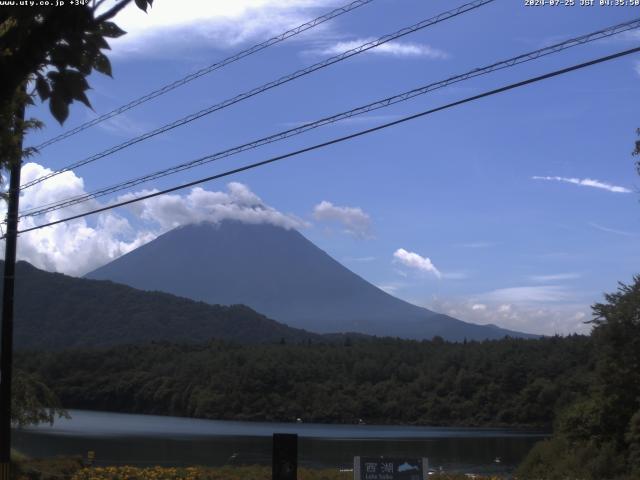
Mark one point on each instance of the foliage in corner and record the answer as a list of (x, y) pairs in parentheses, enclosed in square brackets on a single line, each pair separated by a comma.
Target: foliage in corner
[(56, 48), (12, 130), (598, 436), (33, 402)]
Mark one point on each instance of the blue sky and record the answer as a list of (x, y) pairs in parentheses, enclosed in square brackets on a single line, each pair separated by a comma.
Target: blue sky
[(519, 209)]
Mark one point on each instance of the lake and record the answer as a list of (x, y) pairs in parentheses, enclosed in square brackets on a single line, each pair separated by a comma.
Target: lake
[(156, 440)]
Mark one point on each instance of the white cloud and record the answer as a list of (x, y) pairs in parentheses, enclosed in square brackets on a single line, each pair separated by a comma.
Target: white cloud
[(121, 125), (74, 247), (391, 289), (416, 261), (79, 246), (628, 36), (393, 48), (401, 273), (529, 295), (586, 182), (539, 319), (477, 245), (214, 23), (354, 219), (556, 277), (200, 205), (613, 230)]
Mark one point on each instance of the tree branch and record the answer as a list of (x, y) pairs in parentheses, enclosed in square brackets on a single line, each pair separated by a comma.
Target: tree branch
[(96, 5), (112, 12)]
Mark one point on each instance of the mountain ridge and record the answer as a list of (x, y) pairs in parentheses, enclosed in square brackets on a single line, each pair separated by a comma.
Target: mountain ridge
[(280, 273), (55, 311)]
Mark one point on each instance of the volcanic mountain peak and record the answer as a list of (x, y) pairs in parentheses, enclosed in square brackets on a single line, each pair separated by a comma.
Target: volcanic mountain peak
[(279, 273)]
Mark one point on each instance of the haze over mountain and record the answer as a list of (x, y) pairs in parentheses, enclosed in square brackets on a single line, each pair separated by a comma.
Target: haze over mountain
[(281, 274), (55, 311)]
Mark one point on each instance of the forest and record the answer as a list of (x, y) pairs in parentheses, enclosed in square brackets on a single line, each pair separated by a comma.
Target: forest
[(509, 382), (598, 436), (70, 312), (585, 388)]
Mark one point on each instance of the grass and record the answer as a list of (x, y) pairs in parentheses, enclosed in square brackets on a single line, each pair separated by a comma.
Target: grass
[(17, 456), (57, 468)]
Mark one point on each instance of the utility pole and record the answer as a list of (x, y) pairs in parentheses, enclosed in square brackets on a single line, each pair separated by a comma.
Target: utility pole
[(6, 342)]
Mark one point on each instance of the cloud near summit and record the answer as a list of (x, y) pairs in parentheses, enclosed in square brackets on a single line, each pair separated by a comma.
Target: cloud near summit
[(200, 205), (79, 246)]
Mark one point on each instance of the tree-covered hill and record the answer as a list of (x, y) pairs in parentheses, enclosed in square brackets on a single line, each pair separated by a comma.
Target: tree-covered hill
[(492, 383), (55, 311), (598, 436)]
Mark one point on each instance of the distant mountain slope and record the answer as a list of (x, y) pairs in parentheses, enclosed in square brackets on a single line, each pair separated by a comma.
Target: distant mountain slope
[(56, 311), (282, 274)]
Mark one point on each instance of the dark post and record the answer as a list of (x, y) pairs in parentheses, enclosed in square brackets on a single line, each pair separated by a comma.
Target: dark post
[(285, 456), (6, 345)]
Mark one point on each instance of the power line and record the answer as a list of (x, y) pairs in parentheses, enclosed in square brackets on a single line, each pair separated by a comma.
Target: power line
[(342, 139), (267, 86), (206, 70), (327, 120), (523, 58)]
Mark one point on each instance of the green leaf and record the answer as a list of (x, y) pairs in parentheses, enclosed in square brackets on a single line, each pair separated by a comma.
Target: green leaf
[(64, 56), (33, 124), (111, 30), (42, 87), (59, 108), (74, 84), (82, 97), (142, 4), (98, 42), (85, 64), (53, 75), (60, 57), (102, 64), (76, 79)]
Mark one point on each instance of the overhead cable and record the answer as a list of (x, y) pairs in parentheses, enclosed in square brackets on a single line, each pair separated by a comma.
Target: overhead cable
[(206, 70), (339, 139), (523, 58), (267, 86)]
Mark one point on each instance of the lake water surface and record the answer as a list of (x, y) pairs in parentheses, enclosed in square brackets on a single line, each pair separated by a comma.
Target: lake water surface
[(155, 440)]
